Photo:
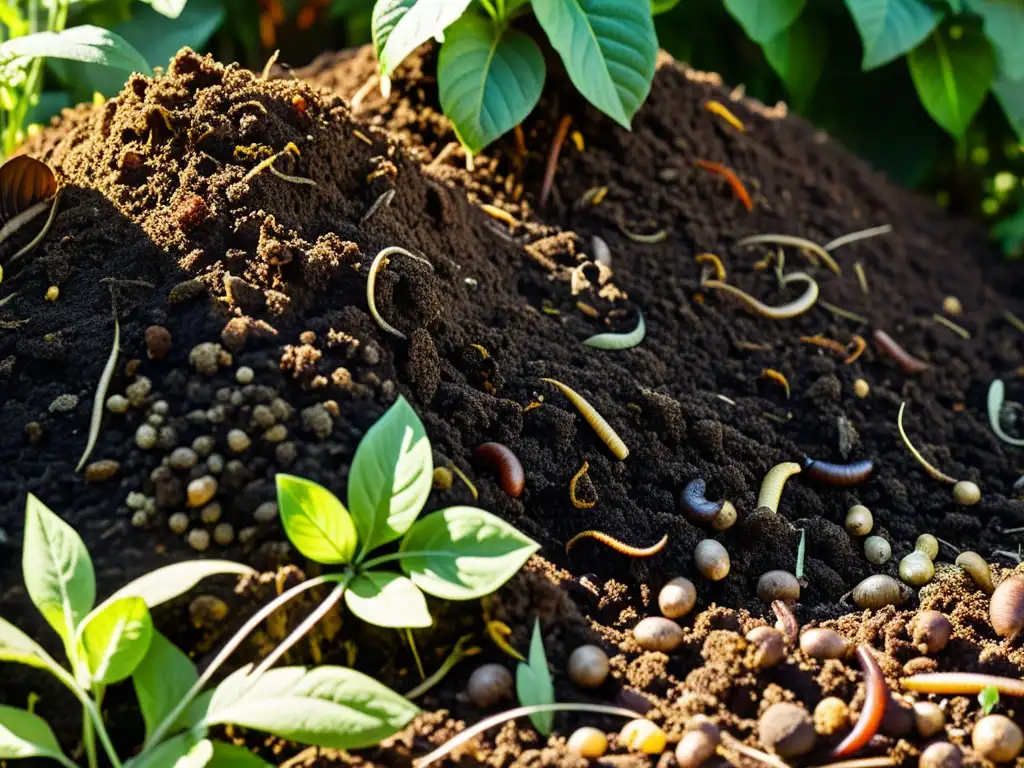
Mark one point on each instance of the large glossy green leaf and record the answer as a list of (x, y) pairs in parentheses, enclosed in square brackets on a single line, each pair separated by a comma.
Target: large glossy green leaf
[(1010, 95), (1003, 21), (798, 57), (952, 76), (391, 476), (86, 43), (890, 28), (466, 553), (608, 47), (17, 647), (24, 735), (764, 20), (488, 79), (114, 639), (315, 520), (327, 706), (387, 600), (161, 680), (169, 582), (401, 26), (534, 684), (230, 756), (57, 570)]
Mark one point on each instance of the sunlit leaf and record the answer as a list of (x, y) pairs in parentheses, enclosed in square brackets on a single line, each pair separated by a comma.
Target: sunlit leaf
[(534, 684), (890, 28), (952, 76), (387, 600)]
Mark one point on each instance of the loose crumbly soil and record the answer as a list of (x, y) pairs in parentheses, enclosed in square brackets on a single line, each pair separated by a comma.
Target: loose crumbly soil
[(158, 196)]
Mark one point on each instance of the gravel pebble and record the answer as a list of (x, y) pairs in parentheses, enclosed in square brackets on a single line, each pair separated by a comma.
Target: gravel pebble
[(211, 513), (158, 342), (244, 375), (138, 391), (178, 522), (281, 410), (182, 459), (224, 534), (117, 404), (145, 437), (265, 512), (317, 419), (167, 438), (199, 539), (263, 417), (285, 453), (161, 407), (206, 357), (98, 471), (64, 404), (215, 463), (276, 433), (135, 500), (155, 419), (204, 445), (139, 519), (201, 491), (238, 441)]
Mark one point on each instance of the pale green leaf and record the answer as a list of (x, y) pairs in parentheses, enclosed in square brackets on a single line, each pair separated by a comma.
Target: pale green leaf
[(1003, 21), (467, 553), (952, 77), (608, 47), (1010, 95), (114, 639), (93, 45), (169, 582), (401, 26), (488, 79), (890, 28), (332, 707), (170, 8), (161, 680), (534, 684), (230, 756), (19, 648), (166, 754), (387, 600), (659, 7), (315, 521), (763, 20), (23, 735), (57, 570), (391, 477), (798, 58)]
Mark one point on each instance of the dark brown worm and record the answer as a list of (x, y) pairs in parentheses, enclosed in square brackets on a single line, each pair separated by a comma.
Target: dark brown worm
[(907, 361), (874, 705), (842, 475), (787, 620), (694, 503), (510, 469)]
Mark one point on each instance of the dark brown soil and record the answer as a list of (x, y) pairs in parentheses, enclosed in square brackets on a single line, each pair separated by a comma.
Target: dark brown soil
[(156, 194)]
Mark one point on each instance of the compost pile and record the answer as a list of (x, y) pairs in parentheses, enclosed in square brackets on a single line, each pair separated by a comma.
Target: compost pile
[(240, 216)]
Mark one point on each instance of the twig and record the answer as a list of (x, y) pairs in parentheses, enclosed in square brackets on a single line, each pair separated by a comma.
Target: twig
[(855, 236), (552, 166), (381, 202), (958, 330)]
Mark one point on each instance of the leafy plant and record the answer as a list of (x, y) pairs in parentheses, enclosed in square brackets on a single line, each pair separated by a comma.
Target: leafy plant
[(490, 74), (988, 698), (534, 685)]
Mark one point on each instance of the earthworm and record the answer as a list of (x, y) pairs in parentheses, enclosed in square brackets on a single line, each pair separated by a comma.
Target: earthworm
[(101, 395), (859, 345), (576, 501), (371, 284), (617, 545), (771, 486), (859, 235), (510, 469), (841, 475), (717, 108), (959, 330), (552, 166), (825, 343), (786, 618), (778, 378), (791, 309), (907, 361), (874, 705), (962, 683), (618, 341), (594, 419), (18, 221), (796, 242), (738, 189), (714, 261), (996, 395), (935, 473), (637, 237), (696, 506), (500, 214)]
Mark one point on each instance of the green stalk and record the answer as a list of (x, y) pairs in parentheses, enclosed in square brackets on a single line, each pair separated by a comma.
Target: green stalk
[(89, 738), (399, 555)]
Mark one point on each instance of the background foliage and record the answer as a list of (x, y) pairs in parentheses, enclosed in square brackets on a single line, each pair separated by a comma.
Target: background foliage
[(930, 91)]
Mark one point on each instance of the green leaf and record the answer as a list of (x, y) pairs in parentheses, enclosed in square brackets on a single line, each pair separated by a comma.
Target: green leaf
[(659, 7), (387, 600), (466, 553), (1003, 22), (488, 79), (161, 680), (316, 522), (391, 476), (170, 8), (87, 43), (952, 77), (608, 47), (988, 698), (764, 20), (197, 757), (534, 684), (890, 28), (327, 706), (166, 754), (169, 582), (57, 570), (18, 647), (401, 26), (23, 734), (114, 639), (1010, 95), (798, 57), (230, 756)]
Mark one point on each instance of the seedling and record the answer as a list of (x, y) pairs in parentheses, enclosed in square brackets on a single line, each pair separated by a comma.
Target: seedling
[(534, 685), (988, 698), (490, 74)]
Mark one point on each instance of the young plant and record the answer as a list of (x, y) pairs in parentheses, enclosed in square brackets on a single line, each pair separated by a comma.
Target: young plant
[(988, 698), (490, 74), (534, 685)]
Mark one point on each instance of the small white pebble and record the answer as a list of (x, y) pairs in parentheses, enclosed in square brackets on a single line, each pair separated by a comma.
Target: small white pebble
[(64, 404), (265, 512), (199, 539), (138, 391), (201, 490), (136, 500), (161, 407), (238, 441), (155, 419), (139, 519), (204, 445), (145, 437), (178, 522), (150, 507), (244, 375), (182, 458), (215, 463), (276, 434), (117, 404), (224, 534), (210, 514)]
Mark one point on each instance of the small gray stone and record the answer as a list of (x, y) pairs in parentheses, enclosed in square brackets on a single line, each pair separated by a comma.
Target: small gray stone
[(64, 404)]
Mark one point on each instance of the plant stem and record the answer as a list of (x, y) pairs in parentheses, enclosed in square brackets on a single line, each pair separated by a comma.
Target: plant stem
[(230, 647), (88, 708), (89, 738), (490, 9), (400, 555)]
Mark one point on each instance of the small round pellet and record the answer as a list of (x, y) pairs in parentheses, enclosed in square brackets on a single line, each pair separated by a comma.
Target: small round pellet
[(966, 493), (712, 560), (928, 544), (215, 463), (778, 585), (588, 666), (238, 441), (224, 534), (877, 550), (859, 520), (587, 742), (489, 684), (117, 404), (211, 513), (951, 306), (997, 738), (244, 375), (199, 539), (644, 736), (677, 598), (178, 522), (861, 388), (145, 437), (265, 512), (201, 491)]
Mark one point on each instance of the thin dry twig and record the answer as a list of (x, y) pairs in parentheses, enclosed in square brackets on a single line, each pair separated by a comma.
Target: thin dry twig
[(552, 165)]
